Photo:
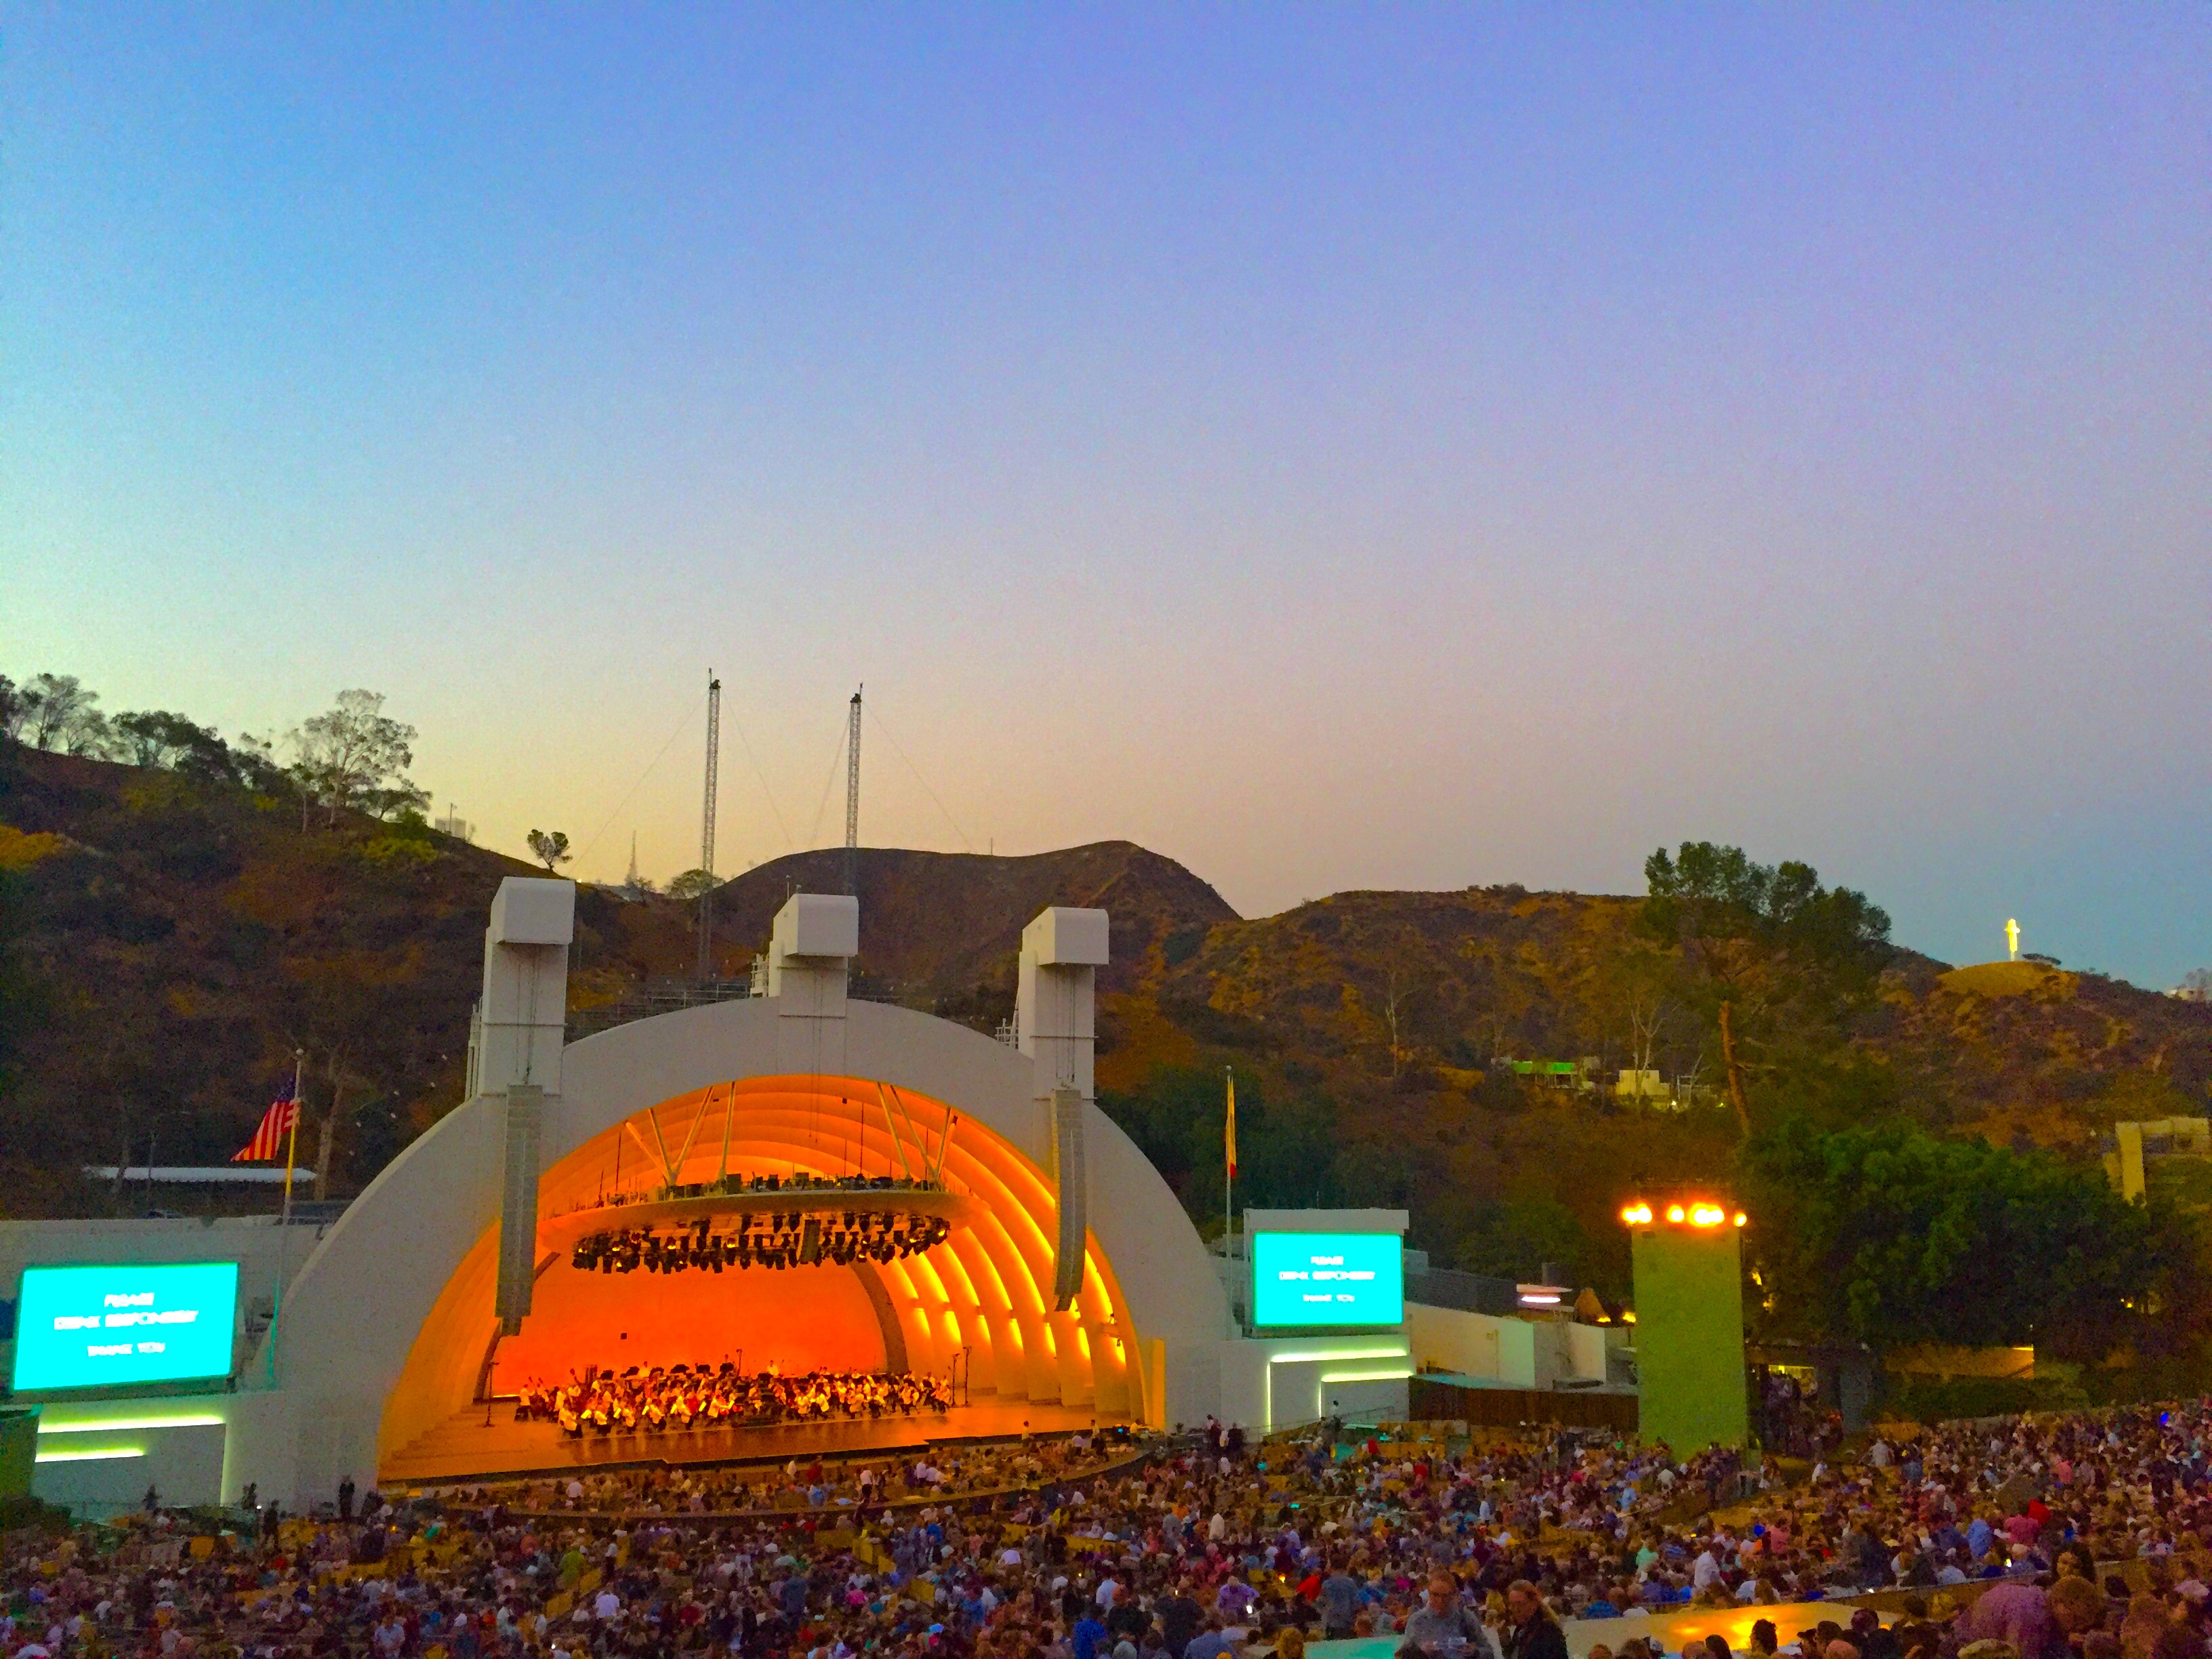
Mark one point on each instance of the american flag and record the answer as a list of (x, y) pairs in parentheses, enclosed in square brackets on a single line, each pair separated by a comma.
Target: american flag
[(268, 1142)]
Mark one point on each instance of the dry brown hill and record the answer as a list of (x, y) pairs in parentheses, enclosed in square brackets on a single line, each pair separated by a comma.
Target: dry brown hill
[(2044, 1055), (937, 926), (1396, 1015), (178, 940), (1448, 982)]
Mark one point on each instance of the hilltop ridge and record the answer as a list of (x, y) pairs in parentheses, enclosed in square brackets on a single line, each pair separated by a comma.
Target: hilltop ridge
[(176, 940), (939, 925)]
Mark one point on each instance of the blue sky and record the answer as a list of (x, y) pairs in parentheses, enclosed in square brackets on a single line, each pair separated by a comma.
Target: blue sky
[(1335, 447)]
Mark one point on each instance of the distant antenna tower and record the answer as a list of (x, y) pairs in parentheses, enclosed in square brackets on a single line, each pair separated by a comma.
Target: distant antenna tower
[(853, 799), (706, 826)]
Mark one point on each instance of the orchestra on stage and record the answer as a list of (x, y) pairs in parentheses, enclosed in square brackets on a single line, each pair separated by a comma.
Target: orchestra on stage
[(656, 1399)]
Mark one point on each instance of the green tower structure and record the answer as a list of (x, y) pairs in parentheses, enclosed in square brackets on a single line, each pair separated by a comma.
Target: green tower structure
[(1691, 1390), (19, 1449)]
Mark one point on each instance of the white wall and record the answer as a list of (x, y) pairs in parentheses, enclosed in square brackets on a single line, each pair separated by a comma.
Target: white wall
[(1279, 1382), (1371, 1401), (1486, 1345), (1243, 1396), (250, 1241), (1587, 1351), (182, 1460), (1325, 1221), (1568, 1352), (1554, 1357)]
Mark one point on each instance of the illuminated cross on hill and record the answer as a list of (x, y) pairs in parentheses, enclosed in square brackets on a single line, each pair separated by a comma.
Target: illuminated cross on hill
[(2012, 941)]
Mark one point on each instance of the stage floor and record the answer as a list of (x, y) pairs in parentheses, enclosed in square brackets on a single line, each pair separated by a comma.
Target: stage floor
[(464, 1448)]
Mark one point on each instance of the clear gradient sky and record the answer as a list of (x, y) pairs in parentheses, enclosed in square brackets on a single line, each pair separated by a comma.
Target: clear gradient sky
[(1336, 447)]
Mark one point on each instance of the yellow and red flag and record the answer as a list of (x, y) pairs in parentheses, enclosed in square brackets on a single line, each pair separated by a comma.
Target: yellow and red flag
[(1229, 1126)]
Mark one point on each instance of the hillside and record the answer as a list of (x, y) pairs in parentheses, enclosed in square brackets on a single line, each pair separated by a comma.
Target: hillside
[(943, 927), (175, 941), (1368, 1026), (1487, 973)]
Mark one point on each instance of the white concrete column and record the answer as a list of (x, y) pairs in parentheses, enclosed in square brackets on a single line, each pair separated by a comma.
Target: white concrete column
[(522, 1017), (1055, 1009), (522, 1026), (1055, 1015), (815, 938)]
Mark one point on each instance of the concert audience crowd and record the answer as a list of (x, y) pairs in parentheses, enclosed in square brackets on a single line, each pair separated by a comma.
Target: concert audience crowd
[(2013, 1538), (859, 1481), (654, 1398)]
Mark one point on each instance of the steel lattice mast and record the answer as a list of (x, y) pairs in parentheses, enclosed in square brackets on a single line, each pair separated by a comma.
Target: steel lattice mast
[(706, 825), (853, 799)]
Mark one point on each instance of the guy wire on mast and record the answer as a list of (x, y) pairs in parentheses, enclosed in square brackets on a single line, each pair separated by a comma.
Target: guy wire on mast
[(707, 827), (853, 799)]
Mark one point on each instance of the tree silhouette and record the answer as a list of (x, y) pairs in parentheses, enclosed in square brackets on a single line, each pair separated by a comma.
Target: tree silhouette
[(1763, 946), (550, 847)]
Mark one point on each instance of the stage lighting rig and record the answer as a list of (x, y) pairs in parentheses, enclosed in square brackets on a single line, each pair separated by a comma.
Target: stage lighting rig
[(789, 1239), (774, 1221)]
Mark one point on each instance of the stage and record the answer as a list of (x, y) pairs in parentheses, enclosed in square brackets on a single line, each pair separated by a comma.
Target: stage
[(466, 1448)]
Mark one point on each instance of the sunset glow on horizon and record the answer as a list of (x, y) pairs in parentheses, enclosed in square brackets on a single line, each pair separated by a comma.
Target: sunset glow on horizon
[(1335, 448)]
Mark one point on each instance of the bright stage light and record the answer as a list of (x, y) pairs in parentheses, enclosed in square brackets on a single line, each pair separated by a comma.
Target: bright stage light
[(1699, 1213)]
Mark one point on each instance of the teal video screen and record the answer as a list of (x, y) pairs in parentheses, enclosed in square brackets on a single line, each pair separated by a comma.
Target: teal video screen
[(1328, 1279), (97, 1328)]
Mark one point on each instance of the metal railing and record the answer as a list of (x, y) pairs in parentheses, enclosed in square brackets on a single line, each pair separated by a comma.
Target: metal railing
[(668, 996), (665, 996)]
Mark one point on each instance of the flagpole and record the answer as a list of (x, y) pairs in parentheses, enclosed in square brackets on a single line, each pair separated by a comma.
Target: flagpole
[(292, 1136), (284, 1223), (1229, 1166)]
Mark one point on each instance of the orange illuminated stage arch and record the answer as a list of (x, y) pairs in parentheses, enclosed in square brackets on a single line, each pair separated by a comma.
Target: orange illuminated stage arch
[(985, 1294), (387, 1338)]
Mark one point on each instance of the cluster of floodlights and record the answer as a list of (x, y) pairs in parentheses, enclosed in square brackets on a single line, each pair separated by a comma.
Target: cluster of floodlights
[(795, 1240), (1683, 1215)]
